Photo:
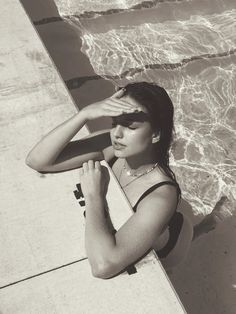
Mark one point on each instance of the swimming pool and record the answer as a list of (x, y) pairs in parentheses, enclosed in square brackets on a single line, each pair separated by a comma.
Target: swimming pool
[(189, 48)]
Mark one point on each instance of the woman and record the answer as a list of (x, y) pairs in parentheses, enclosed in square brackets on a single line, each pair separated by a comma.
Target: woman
[(137, 149)]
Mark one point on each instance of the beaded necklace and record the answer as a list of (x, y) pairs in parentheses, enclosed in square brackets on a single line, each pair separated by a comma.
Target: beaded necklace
[(136, 176)]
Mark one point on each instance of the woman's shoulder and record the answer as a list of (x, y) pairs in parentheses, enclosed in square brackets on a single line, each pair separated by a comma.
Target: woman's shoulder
[(165, 184), (158, 206), (155, 186), (166, 189), (163, 192)]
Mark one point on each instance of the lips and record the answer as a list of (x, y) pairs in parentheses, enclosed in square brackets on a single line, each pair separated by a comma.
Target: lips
[(118, 145)]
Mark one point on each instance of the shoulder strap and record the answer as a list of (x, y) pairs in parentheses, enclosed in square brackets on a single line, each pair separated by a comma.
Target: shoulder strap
[(112, 161), (155, 186)]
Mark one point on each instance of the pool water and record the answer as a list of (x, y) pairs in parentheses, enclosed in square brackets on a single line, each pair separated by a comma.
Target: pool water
[(189, 48)]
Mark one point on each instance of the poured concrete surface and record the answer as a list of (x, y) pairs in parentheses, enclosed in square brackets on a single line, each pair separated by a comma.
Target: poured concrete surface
[(33, 100), (72, 290), (43, 265)]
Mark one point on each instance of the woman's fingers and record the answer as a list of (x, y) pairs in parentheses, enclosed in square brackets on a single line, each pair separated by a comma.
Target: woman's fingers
[(119, 93), (117, 88), (118, 109), (121, 108), (81, 171), (116, 112), (115, 106), (119, 103), (91, 165), (111, 109), (123, 102), (85, 167), (97, 165)]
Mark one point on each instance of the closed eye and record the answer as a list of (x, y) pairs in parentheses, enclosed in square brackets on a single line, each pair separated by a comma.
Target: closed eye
[(127, 124), (129, 127)]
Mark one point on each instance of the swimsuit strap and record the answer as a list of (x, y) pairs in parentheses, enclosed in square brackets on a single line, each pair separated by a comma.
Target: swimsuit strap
[(112, 161), (175, 223), (155, 186)]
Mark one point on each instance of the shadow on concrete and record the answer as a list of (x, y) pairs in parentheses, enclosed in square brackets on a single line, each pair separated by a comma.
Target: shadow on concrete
[(64, 46)]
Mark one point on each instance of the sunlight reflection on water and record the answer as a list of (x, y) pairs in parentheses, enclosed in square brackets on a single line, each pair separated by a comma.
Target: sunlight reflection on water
[(194, 58)]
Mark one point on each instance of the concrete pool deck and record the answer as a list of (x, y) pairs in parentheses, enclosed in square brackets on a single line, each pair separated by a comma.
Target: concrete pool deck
[(43, 265)]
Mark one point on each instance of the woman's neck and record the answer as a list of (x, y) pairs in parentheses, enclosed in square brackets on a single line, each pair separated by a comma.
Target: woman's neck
[(140, 162)]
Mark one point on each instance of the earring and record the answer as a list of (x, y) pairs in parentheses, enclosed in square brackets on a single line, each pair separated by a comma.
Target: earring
[(156, 138)]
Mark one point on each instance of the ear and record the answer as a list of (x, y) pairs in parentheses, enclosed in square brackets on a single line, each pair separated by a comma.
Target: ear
[(156, 137)]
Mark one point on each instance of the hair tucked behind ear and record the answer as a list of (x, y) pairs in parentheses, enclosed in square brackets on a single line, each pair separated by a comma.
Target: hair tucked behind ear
[(161, 112)]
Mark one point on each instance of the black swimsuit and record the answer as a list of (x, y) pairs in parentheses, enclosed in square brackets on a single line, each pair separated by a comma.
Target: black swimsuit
[(176, 222)]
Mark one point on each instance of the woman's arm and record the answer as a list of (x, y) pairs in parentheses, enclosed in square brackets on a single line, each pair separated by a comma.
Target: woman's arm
[(56, 151), (110, 253), (48, 154)]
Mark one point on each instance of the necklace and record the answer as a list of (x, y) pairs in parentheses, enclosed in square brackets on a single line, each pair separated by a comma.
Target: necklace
[(128, 172), (137, 175)]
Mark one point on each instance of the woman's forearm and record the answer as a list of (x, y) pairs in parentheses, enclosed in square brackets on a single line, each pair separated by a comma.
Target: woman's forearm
[(46, 151), (99, 240), (50, 149)]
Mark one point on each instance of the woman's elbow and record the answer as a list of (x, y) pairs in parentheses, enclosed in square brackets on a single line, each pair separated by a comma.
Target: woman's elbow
[(34, 164), (31, 163), (103, 271)]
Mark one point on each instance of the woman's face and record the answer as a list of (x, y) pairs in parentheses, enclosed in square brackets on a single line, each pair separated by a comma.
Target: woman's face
[(131, 133)]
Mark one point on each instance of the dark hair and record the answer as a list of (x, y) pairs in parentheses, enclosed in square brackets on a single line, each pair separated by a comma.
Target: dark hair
[(161, 113)]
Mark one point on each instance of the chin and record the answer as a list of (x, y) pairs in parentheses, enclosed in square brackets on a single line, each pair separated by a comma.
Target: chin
[(119, 153), (123, 154)]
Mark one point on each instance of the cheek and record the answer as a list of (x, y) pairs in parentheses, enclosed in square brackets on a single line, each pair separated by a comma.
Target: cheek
[(141, 138), (111, 133)]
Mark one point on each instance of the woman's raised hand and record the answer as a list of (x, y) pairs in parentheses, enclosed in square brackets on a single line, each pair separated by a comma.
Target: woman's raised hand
[(109, 107)]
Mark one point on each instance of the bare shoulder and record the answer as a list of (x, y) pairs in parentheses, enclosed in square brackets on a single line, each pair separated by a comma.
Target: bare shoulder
[(166, 192), (159, 205)]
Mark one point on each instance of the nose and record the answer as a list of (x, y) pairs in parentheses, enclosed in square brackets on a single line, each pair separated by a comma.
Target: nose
[(118, 131)]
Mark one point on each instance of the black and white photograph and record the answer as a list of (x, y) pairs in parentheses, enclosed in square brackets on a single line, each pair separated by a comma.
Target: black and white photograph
[(118, 157)]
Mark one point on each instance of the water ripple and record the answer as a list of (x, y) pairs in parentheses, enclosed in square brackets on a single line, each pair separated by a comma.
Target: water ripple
[(89, 9), (195, 61), (119, 50)]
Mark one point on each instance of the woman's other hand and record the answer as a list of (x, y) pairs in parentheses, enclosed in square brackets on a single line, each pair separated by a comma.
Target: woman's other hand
[(109, 107), (93, 179)]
